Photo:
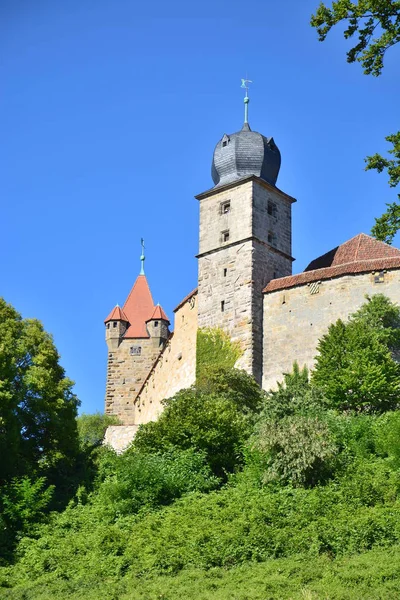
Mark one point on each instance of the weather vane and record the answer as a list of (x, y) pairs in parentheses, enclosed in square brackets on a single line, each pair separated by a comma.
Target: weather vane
[(245, 85), (142, 257)]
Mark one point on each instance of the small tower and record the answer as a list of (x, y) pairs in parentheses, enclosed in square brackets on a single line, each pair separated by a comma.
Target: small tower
[(116, 324), (135, 336), (158, 326), (245, 238)]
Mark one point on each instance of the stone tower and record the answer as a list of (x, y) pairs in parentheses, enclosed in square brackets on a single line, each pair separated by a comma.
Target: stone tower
[(245, 239), (135, 336)]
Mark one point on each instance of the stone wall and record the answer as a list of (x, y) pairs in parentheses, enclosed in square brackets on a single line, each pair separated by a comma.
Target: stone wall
[(233, 271), (126, 373), (119, 437), (295, 319), (175, 368)]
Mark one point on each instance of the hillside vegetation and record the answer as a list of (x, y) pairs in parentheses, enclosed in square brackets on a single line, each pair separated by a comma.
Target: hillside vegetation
[(233, 493)]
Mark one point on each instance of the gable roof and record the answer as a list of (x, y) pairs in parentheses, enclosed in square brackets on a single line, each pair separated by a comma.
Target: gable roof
[(360, 254), (138, 307), (186, 298), (117, 314), (158, 313)]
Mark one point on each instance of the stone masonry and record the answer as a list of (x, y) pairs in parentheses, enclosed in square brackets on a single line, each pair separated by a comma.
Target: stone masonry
[(245, 241), (296, 318)]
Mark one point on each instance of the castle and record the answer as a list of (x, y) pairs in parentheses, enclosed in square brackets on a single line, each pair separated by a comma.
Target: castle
[(245, 287)]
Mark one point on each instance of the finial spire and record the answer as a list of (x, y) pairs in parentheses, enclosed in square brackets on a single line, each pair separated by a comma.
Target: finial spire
[(142, 257), (245, 85)]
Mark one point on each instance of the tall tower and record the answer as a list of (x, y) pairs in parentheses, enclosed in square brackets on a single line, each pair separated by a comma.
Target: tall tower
[(245, 239)]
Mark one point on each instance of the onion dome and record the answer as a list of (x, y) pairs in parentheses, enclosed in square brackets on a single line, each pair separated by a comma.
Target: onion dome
[(245, 153)]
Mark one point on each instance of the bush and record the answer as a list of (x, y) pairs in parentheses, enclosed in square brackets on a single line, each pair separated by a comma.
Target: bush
[(296, 450), (355, 368), (135, 480), (209, 423)]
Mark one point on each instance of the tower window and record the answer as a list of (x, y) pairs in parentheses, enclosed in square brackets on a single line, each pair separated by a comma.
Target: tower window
[(225, 141), (225, 207), (135, 350), (155, 323), (271, 208), (225, 272), (115, 323), (379, 277), (108, 325), (225, 235), (222, 305), (271, 237)]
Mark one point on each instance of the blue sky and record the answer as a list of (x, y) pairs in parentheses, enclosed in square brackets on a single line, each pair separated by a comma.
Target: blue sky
[(109, 113)]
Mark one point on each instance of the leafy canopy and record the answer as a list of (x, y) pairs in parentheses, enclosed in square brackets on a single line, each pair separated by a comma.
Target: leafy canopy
[(377, 23), (355, 368), (37, 405)]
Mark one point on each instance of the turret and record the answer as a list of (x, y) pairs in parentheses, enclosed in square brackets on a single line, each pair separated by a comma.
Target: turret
[(157, 326), (116, 324)]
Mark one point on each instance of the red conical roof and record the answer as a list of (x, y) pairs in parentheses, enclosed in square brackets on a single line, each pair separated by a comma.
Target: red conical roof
[(158, 313), (117, 314), (139, 307)]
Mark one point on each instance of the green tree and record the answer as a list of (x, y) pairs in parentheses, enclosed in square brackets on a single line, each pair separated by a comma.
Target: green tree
[(355, 368), (91, 428), (294, 395), (214, 419), (37, 406), (377, 24)]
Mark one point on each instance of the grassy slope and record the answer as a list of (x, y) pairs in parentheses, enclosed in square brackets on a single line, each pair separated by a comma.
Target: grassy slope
[(370, 576)]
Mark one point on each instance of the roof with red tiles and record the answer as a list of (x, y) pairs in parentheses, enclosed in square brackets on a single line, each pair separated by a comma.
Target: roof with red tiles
[(139, 307), (360, 254), (186, 298), (117, 314), (158, 314)]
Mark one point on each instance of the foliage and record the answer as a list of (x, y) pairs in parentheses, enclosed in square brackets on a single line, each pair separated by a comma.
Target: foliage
[(236, 385), (366, 18), (295, 395), (388, 224), (297, 450), (207, 422), (354, 366), (135, 480), (37, 406), (372, 575), (91, 428), (22, 503), (214, 349)]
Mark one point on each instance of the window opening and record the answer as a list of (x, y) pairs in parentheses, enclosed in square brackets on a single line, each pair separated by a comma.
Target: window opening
[(135, 350), (271, 208), (222, 305), (225, 272), (155, 323), (115, 324), (225, 207), (225, 236)]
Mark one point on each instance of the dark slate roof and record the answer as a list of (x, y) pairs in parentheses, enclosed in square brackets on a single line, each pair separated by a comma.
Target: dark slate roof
[(361, 254), (245, 153)]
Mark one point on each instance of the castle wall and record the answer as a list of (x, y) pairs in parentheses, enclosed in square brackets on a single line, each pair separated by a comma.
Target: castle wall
[(126, 373), (176, 367), (295, 319)]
